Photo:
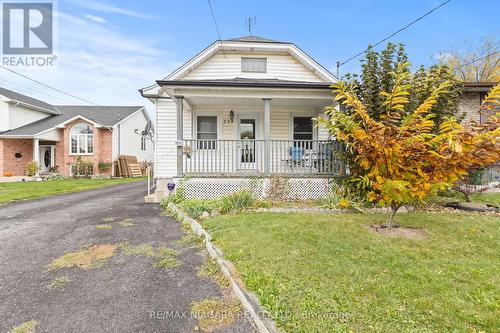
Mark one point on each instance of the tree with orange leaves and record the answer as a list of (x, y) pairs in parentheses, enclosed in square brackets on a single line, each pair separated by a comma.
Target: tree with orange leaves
[(403, 158)]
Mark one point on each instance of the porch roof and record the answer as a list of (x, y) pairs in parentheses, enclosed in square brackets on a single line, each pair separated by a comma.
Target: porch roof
[(247, 83)]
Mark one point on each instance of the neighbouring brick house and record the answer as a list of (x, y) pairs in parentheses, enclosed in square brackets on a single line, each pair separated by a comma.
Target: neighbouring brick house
[(55, 136), (473, 95)]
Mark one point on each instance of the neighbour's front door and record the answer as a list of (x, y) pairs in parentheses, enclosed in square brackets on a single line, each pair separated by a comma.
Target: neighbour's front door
[(248, 149), (45, 158)]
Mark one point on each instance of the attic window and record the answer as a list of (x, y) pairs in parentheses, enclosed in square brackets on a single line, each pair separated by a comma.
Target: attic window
[(254, 65)]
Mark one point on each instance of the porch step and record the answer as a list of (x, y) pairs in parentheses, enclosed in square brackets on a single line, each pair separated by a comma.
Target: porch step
[(154, 197)]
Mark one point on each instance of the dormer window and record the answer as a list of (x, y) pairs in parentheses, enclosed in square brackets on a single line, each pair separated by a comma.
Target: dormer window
[(254, 65)]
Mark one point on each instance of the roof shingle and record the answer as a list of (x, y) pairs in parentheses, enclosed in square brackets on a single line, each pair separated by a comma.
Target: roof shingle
[(28, 100), (103, 115)]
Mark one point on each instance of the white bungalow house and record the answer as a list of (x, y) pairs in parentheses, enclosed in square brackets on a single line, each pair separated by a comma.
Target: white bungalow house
[(239, 113)]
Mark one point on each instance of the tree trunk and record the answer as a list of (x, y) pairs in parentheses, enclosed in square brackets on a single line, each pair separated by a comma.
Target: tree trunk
[(467, 196), (390, 215)]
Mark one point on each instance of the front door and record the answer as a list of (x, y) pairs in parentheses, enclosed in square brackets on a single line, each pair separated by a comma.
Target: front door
[(248, 148), (46, 158)]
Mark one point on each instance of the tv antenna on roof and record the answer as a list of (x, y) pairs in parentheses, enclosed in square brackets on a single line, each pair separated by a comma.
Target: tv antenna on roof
[(249, 23)]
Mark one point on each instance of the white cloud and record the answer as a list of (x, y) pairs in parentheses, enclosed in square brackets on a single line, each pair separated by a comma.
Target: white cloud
[(106, 8), (98, 63), (94, 18)]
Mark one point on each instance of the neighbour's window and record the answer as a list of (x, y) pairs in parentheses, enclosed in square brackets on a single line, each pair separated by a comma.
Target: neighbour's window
[(82, 139), (303, 130), (254, 65), (143, 143), (206, 130)]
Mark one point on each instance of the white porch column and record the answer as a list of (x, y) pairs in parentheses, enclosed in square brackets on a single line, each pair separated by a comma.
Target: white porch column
[(180, 134), (267, 135), (36, 154)]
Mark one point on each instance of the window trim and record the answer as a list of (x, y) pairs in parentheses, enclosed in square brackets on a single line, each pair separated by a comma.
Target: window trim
[(254, 58), (78, 141)]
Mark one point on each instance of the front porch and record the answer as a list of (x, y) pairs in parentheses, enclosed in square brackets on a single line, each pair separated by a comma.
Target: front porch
[(232, 131)]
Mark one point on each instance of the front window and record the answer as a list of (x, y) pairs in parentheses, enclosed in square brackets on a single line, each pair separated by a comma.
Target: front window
[(303, 130), (254, 65), (206, 130), (82, 139)]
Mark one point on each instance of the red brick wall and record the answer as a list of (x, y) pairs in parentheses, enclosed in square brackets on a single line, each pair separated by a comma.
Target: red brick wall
[(106, 148), (9, 147), (102, 149)]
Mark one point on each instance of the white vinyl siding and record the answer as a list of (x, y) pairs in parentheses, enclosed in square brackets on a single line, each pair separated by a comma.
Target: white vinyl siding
[(228, 66), (20, 116), (130, 142), (166, 134)]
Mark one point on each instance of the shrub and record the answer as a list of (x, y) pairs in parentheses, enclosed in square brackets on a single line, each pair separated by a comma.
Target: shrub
[(342, 197), (31, 168), (237, 201), (104, 166), (55, 176), (194, 208), (175, 198)]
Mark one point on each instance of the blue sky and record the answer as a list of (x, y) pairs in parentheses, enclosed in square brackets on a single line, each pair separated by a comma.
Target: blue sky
[(108, 49)]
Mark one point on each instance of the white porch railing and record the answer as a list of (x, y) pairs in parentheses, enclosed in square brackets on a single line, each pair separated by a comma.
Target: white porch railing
[(151, 178), (248, 157)]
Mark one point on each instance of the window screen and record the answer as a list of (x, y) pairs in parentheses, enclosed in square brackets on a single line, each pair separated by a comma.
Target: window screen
[(254, 65), (302, 130), (206, 130)]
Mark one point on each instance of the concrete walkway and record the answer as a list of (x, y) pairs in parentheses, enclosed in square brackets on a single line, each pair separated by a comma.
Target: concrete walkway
[(120, 296)]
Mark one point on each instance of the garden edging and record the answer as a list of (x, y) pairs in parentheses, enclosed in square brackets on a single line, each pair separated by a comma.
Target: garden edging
[(249, 301)]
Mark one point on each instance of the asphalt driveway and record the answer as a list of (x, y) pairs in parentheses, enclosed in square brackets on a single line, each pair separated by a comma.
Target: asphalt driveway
[(124, 294)]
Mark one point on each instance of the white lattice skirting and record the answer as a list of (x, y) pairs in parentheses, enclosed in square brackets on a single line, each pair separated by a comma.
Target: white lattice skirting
[(293, 189)]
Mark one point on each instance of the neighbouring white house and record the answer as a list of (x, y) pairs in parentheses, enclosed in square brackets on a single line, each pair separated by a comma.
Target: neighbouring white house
[(238, 115), (56, 136)]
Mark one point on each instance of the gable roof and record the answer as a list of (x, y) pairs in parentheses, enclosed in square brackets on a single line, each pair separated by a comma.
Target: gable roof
[(246, 42), (253, 39), (105, 116), (29, 101)]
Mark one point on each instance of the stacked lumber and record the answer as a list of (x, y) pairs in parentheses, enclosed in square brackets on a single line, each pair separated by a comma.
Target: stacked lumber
[(127, 166), (135, 170)]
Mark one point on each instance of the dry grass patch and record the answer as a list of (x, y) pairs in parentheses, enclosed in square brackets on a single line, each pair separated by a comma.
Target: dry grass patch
[(93, 257), (27, 327), (211, 270), (166, 256), (404, 232), (59, 281), (214, 313), (104, 226), (138, 250), (191, 241), (128, 222)]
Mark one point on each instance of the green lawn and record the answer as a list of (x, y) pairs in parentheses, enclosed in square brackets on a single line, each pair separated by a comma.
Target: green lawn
[(29, 190), (485, 197), (302, 266)]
